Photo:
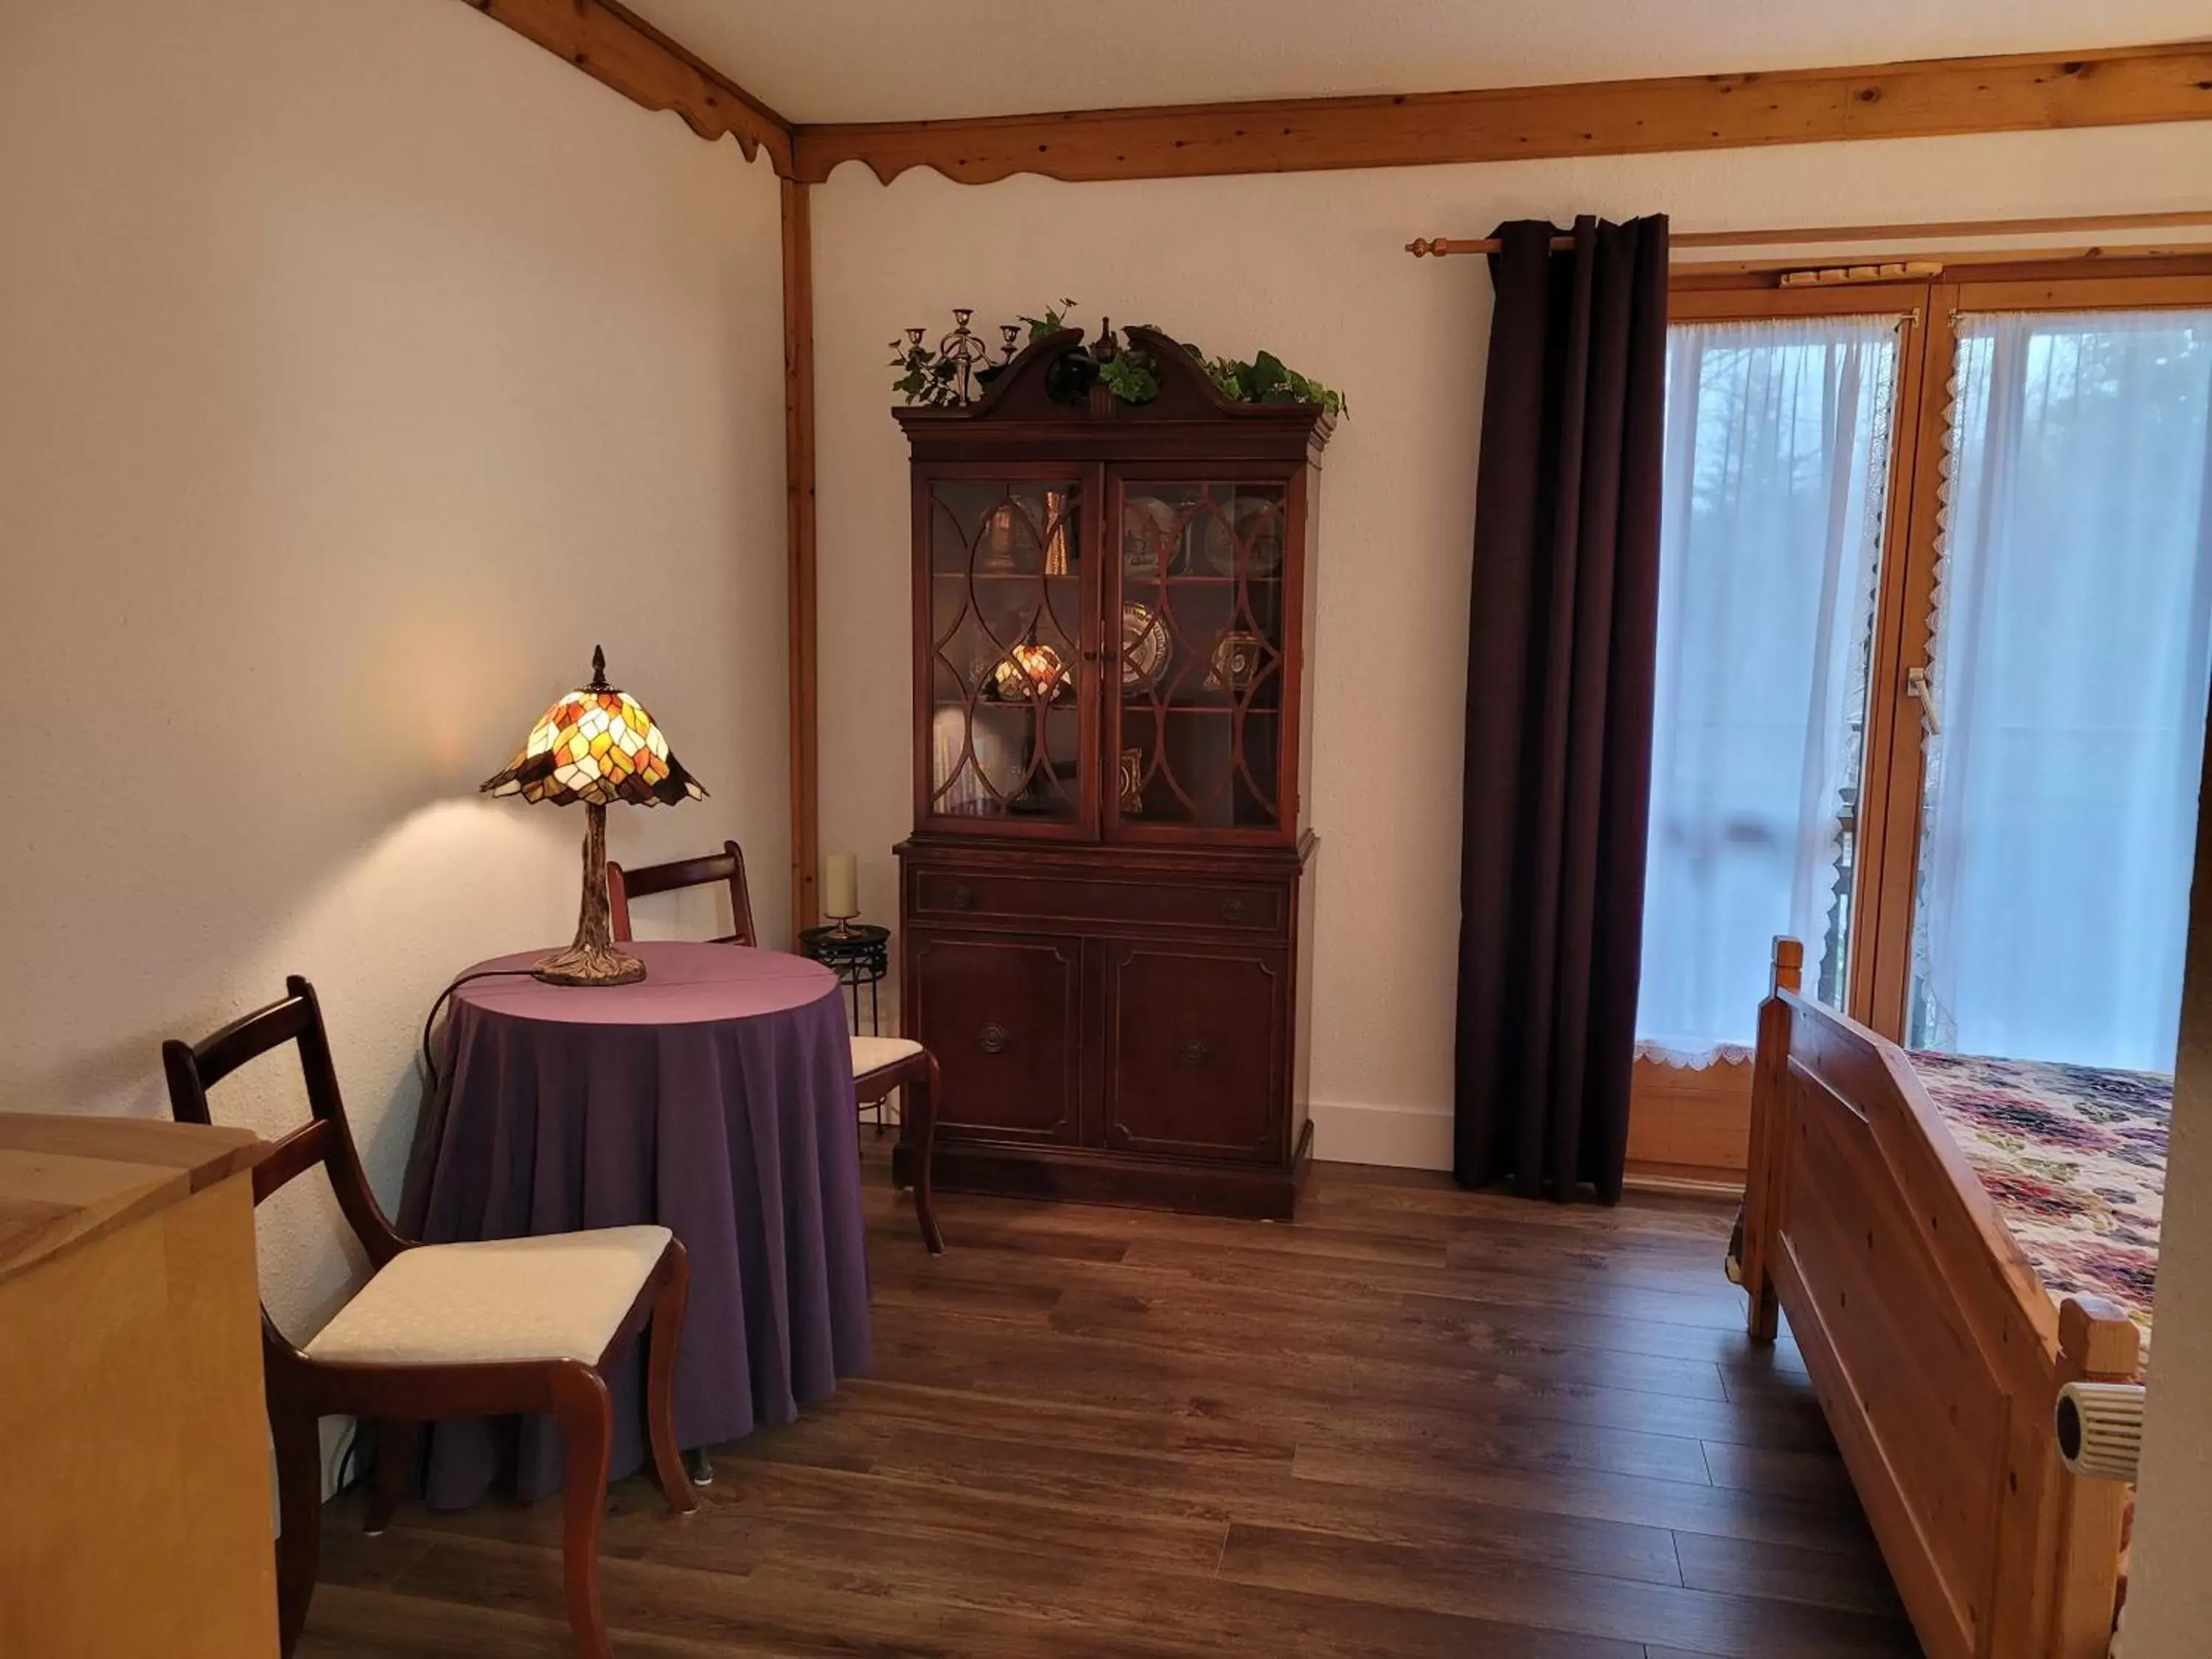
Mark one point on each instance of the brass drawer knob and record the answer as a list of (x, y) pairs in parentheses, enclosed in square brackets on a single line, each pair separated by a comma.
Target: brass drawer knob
[(993, 1039), (1232, 909), (1193, 1053), (959, 895)]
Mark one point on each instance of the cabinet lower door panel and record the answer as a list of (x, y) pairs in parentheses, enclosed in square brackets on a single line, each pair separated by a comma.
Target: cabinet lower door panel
[(1195, 1041), (1000, 1012)]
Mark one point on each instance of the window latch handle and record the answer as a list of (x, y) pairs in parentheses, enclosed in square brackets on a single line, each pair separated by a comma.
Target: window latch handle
[(1917, 686)]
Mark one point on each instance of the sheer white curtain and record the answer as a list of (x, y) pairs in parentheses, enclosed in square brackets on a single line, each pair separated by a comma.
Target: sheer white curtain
[(1776, 468), (2070, 672)]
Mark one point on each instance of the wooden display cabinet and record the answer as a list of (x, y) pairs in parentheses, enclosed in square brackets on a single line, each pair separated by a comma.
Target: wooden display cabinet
[(1105, 901)]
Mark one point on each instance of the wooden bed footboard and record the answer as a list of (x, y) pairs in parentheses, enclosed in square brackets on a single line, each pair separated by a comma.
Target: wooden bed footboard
[(1935, 1353)]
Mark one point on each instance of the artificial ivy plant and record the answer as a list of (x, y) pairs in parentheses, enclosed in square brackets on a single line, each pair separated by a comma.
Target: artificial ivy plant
[(927, 376)]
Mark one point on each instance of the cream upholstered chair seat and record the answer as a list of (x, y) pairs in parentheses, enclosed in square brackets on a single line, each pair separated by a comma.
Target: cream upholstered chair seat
[(881, 1064), (871, 1052), (557, 1297)]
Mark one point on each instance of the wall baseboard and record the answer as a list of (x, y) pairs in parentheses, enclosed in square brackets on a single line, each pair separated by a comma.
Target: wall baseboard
[(1399, 1137), (1684, 1180), (1420, 1138)]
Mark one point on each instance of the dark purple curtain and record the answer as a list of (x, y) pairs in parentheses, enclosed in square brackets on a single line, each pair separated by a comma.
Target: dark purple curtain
[(1560, 651)]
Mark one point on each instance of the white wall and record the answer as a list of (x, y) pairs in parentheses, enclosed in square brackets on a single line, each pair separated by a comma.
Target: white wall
[(1312, 267), (361, 365)]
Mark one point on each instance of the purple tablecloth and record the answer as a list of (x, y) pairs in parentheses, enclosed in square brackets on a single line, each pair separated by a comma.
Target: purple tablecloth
[(716, 1098)]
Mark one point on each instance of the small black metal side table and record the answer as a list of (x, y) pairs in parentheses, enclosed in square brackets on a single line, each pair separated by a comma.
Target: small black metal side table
[(859, 954)]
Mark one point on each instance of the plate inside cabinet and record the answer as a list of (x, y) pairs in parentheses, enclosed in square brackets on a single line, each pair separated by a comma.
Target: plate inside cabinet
[(1133, 783), (1237, 661), (1144, 646), (1150, 529), (1252, 520)]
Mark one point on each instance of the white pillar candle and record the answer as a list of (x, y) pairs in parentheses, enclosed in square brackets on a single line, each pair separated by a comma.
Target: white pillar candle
[(841, 885)]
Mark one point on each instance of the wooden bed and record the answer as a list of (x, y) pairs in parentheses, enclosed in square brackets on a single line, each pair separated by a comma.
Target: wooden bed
[(1936, 1352)]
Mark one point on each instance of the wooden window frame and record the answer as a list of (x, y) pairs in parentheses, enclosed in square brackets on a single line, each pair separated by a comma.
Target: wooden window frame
[(1710, 1142)]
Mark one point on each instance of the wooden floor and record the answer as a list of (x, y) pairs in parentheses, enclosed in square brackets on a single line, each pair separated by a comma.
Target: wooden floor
[(1418, 1424)]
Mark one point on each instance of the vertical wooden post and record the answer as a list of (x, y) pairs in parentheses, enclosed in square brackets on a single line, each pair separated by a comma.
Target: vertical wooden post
[(2097, 1343), (798, 508), (1762, 1208), (1787, 971)]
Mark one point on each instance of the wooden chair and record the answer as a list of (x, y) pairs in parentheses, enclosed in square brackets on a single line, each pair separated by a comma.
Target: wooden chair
[(728, 865), (880, 1065), (446, 1330)]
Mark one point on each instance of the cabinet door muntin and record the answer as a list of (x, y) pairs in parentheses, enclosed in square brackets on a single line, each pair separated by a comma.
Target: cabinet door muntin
[(1006, 655), (1203, 567)]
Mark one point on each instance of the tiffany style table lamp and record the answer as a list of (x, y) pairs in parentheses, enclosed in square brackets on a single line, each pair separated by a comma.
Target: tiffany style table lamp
[(595, 745)]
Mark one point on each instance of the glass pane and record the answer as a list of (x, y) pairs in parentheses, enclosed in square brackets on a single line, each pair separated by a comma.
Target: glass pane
[(1005, 642), (1201, 653), (2074, 594), (1778, 454)]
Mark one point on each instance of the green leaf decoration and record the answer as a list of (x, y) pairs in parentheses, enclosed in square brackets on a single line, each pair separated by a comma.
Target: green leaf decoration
[(1052, 322), (925, 377), (1130, 377)]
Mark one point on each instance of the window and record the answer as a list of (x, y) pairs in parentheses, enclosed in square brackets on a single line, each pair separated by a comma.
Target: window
[(2069, 678), (1934, 644), (1779, 444)]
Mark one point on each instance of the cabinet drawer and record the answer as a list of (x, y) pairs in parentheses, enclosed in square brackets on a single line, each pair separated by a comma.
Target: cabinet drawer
[(1238, 907)]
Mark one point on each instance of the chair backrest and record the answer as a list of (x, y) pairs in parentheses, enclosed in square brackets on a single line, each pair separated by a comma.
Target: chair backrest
[(728, 865), (194, 1067)]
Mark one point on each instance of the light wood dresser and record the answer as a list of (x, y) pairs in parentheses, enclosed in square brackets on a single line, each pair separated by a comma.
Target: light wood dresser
[(134, 1446)]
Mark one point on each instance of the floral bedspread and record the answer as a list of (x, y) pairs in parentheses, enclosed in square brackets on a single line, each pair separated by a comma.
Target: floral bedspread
[(2074, 1160)]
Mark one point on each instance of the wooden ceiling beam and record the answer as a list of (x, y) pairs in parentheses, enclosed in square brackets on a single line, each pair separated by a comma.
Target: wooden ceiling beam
[(612, 45), (2117, 87)]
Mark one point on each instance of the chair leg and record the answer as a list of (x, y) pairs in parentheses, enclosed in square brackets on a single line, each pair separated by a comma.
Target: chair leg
[(397, 1447), (587, 1427), (664, 1341), (298, 1442), (921, 1103)]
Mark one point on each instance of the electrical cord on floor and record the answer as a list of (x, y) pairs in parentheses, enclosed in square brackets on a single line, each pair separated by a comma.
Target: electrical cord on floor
[(429, 1065)]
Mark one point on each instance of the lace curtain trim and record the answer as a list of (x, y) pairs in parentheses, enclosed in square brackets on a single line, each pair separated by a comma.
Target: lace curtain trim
[(1693, 1059), (1929, 1026)]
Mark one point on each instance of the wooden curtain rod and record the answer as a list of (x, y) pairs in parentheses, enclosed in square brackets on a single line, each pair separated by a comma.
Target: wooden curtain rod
[(1439, 246)]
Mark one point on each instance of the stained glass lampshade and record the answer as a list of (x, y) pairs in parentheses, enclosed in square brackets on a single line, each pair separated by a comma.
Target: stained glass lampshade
[(597, 745)]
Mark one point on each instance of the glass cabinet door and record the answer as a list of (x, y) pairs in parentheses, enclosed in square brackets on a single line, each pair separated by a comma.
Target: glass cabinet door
[(1196, 681), (1004, 668)]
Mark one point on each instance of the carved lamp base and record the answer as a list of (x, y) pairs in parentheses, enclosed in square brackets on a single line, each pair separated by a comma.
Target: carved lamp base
[(583, 964), (594, 958)]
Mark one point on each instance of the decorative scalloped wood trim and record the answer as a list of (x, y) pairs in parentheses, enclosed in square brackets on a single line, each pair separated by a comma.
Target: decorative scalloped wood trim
[(2117, 87), (611, 44), (798, 510)]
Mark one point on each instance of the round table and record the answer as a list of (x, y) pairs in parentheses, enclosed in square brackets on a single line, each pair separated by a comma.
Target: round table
[(714, 1096)]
